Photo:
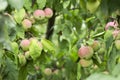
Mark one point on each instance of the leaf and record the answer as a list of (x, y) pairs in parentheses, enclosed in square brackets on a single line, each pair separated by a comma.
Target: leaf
[(100, 76), (27, 4), (15, 48), (20, 32), (12, 69), (22, 73), (83, 4), (17, 4), (35, 49), (3, 5), (78, 71), (3, 29), (92, 5), (112, 57), (19, 15), (116, 70), (66, 3), (41, 3), (48, 45)]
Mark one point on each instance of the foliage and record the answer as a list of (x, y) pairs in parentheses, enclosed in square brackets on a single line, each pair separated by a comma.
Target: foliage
[(54, 40)]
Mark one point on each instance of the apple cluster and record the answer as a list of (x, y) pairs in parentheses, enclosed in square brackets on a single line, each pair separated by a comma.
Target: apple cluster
[(37, 16), (115, 32), (86, 52), (25, 45)]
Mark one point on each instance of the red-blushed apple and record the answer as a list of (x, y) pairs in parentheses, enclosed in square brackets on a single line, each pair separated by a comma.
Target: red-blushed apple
[(48, 12), (39, 14), (113, 24), (25, 43), (86, 63), (117, 44), (116, 33), (95, 45), (48, 71), (85, 52), (26, 23)]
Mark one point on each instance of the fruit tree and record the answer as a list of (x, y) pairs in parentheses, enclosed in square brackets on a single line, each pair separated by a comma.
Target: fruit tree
[(59, 39)]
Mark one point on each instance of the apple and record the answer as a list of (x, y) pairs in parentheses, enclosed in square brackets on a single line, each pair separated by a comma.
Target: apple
[(39, 14), (86, 63), (95, 45), (85, 52), (116, 33), (26, 23), (48, 71), (22, 59), (48, 12), (25, 44), (117, 44), (27, 55), (113, 24)]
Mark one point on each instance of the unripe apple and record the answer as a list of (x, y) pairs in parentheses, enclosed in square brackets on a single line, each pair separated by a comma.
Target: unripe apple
[(26, 23), (48, 71), (85, 52), (102, 49), (27, 55), (117, 44), (95, 45), (86, 63), (39, 14), (48, 12), (22, 59), (25, 44)]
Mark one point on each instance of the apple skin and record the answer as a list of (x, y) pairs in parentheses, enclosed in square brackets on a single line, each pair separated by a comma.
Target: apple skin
[(25, 43), (48, 12), (85, 52), (48, 71), (117, 44), (26, 23), (86, 63), (96, 45), (39, 14)]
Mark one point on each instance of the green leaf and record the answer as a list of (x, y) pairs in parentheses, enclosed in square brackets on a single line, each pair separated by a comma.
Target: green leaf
[(27, 4), (17, 4), (66, 3), (19, 15), (35, 49), (12, 69), (100, 76), (22, 73), (20, 32), (3, 5), (112, 57), (48, 45), (116, 70), (78, 71), (92, 5), (83, 4), (41, 3), (15, 48)]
